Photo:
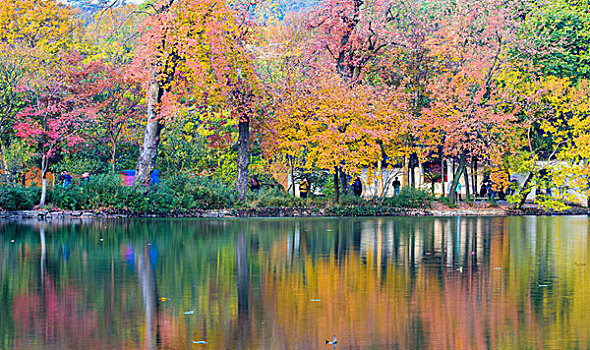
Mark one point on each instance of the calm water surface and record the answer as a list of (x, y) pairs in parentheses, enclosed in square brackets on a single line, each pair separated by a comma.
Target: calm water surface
[(375, 283)]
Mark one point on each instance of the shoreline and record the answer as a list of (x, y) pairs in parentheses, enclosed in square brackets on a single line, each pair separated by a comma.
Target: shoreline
[(288, 212)]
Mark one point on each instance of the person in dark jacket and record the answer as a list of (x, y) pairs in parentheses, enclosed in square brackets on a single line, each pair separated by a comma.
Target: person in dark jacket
[(255, 185), (65, 179), (357, 187), (396, 185)]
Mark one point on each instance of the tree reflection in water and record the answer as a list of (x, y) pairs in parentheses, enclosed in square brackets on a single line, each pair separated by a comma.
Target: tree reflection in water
[(404, 283)]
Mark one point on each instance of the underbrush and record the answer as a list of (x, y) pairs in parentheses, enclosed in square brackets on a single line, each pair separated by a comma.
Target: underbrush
[(184, 194), (105, 192), (18, 197), (408, 198)]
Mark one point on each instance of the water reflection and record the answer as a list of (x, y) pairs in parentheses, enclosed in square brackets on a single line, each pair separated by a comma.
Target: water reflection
[(387, 283)]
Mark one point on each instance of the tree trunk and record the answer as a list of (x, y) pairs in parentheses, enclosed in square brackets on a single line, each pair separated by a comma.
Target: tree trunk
[(151, 136), (405, 171), (4, 161), (525, 190), (292, 166), (474, 176), (380, 179), (43, 180), (336, 186), (456, 176), (343, 183), (442, 172), (467, 189), (114, 156), (243, 159)]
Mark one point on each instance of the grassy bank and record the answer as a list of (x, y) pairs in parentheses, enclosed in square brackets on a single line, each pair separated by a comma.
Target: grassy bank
[(179, 195)]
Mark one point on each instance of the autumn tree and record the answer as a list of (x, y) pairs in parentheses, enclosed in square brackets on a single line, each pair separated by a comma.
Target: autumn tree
[(11, 76), (346, 39), (469, 115), (114, 97), (197, 56), (571, 176), (346, 36), (565, 26), (337, 126), (58, 111), (553, 132), (32, 36)]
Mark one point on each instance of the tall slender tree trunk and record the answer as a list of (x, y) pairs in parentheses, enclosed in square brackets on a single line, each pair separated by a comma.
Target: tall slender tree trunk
[(456, 176), (336, 186), (151, 136), (525, 190), (474, 176), (3, 157), (405, 171), (467, 188), (43, 180), (114, 156), (243, 159), (442, 171), (292, 168), (380, 179)]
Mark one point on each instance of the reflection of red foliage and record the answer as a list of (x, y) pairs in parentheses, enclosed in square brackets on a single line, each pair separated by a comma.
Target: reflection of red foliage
[(25, 305), (172, 332), (56, 317)]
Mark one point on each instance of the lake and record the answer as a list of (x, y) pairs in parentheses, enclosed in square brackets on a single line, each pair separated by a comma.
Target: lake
[(373, 283)]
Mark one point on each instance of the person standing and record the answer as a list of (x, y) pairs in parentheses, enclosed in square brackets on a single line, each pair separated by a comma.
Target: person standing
[(357, 187), (65, 179), (458, 191), (303, 187), (255, 186), (396, 184)]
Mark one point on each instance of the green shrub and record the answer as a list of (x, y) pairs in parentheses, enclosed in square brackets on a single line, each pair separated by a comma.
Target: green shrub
[(410, 198), (199, 192), (18, 197), (272, 198), (357, 206), (97, 192), (67, 198)]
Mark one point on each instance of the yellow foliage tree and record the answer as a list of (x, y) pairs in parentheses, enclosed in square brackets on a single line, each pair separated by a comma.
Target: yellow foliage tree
[(571, 175), (554, 131), (339, 126)]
